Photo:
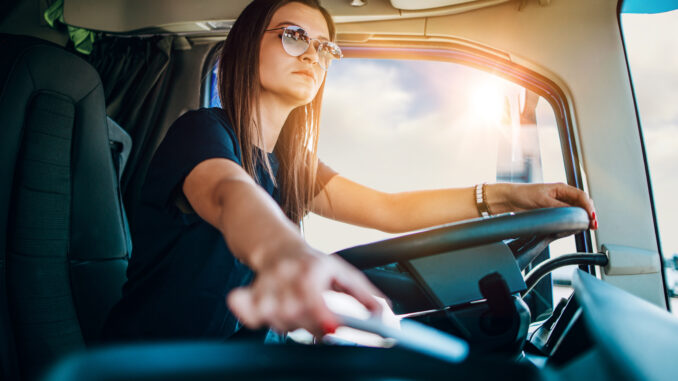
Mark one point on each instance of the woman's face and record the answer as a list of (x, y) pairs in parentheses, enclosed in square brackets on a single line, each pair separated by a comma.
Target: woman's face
[(293, 80)]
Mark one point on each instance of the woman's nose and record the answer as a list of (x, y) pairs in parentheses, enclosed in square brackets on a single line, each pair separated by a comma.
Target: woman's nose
[(311, 54)]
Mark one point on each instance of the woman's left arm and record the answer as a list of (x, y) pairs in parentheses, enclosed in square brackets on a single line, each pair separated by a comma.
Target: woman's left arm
[(347, 201)]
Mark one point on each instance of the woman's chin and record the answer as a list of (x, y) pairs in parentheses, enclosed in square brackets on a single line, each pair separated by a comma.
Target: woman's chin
[(302, 98)]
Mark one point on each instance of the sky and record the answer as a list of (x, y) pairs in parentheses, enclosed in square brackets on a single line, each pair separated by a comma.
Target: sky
[(405, 125)]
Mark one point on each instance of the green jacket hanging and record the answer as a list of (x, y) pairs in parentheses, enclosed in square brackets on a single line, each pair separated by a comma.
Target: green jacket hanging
[(83, 39)]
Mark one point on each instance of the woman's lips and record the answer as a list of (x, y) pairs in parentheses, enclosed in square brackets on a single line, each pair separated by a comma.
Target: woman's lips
[(305, 73)]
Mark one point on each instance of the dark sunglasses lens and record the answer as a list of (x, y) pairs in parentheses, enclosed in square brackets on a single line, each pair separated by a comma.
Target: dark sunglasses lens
[(295, 41)]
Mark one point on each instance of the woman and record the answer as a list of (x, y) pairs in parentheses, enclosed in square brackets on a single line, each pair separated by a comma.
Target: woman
[(228, 186)]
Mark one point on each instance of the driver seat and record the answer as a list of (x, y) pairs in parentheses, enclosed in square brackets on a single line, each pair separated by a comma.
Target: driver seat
[(63, 231)]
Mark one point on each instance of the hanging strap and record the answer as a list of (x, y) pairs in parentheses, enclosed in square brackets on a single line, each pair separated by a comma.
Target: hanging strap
[(121, 146)]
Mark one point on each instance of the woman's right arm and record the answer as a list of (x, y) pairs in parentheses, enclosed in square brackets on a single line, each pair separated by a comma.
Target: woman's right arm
[(290, 275)]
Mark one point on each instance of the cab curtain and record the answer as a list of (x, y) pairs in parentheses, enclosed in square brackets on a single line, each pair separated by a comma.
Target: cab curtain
[(135, 73)]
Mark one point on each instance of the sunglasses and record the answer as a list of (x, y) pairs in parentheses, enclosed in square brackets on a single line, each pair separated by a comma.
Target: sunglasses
[(295, 41)]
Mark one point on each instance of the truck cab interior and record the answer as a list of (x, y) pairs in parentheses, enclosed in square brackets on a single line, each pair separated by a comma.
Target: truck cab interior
[(89, 88)]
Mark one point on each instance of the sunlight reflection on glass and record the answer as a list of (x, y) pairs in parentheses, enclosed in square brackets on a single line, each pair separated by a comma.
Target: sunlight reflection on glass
[(487, 104)]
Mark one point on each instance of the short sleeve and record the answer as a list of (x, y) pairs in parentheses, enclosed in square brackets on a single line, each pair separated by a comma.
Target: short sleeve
[(193, 138), (323, 176)]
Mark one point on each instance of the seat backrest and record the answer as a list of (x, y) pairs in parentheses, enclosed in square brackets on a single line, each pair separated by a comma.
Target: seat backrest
[(64, 243)]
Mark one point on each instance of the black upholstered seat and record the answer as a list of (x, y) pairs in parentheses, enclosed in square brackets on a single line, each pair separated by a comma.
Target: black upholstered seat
[(62, 230)]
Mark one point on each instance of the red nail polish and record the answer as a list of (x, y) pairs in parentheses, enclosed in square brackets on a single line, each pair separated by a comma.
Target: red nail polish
[(329, 328), (593, 216), (595, 224)]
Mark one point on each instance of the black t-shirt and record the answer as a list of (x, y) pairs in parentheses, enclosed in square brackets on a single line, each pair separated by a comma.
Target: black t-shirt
[(182, 269)]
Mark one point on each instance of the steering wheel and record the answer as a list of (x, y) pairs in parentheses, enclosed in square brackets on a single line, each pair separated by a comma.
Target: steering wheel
[(526, 234), (529, 233)]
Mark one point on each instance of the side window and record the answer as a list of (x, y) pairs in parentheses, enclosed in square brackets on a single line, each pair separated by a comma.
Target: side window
[(211, 94), (651, 41), (399, 125)]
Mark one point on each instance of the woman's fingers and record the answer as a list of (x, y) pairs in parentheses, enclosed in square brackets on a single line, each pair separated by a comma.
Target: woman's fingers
[(554, 203), (289, 295), (573, 196), (324, 320), (361, 289), (256, 307), (531, 196), (576, 197), (241, 303)]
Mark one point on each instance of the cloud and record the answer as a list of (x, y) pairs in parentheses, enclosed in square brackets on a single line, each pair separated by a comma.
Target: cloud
[(402, 132), (350, 93)]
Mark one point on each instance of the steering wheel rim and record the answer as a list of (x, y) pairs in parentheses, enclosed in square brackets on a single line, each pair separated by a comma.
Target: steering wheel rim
[(546, 224)]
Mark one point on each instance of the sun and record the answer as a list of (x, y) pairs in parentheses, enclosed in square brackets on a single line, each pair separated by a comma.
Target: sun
[(486, 104)]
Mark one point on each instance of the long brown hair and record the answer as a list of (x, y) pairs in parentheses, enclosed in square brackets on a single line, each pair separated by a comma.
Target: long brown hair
[(238, 78)]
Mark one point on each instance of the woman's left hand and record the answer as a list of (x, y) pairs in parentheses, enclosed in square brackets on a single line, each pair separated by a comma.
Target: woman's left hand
[(508, 197)]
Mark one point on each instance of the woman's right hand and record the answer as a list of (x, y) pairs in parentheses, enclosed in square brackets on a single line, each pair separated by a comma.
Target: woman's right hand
[(287, 292)]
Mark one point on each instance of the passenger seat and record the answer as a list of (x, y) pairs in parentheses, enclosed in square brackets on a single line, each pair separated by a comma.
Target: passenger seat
[(63, 234)]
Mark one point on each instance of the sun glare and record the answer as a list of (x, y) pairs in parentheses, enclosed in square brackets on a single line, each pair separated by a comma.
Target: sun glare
[(487, 105)]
